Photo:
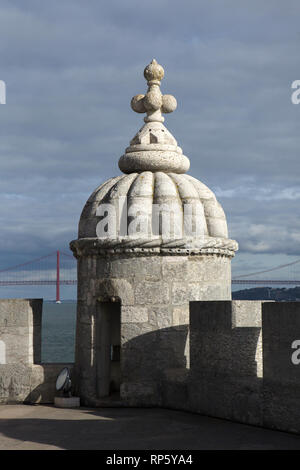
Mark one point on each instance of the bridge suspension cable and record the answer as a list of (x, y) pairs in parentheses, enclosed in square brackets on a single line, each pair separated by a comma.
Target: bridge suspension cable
[(49, 269), (27, 262), (267, 270)]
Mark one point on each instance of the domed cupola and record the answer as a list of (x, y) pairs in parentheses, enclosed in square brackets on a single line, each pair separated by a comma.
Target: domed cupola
[(155, 204)]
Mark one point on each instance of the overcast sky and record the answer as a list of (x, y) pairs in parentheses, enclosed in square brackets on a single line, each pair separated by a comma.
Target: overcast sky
[(71, 68)]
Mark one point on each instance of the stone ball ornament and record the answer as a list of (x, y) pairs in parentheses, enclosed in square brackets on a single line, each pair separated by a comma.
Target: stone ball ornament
[(154, 72), (169, 104), (137, 104), (154, 100)]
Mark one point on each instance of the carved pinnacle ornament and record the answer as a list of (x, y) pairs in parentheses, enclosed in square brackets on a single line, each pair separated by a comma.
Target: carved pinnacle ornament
[(154, 103)]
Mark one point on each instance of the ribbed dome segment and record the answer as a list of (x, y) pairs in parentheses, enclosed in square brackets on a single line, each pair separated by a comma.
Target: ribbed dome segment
[(142, 191)]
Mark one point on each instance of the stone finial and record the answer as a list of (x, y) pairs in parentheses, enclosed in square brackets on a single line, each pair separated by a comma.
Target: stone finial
[(153, 148), (154, 103)]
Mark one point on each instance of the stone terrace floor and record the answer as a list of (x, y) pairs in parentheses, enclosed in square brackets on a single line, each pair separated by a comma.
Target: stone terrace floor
[(45, 427)]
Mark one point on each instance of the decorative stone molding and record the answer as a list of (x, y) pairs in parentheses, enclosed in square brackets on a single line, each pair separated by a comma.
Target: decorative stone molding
[(94, 246)]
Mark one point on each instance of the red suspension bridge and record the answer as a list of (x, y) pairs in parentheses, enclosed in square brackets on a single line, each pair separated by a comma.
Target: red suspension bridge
[(59, 268), (56, 268)]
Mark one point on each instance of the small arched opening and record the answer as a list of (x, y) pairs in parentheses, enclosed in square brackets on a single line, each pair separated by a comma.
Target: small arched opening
[(108, 345)]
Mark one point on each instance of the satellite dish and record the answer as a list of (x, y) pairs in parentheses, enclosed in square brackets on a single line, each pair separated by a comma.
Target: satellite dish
[(63, 381)]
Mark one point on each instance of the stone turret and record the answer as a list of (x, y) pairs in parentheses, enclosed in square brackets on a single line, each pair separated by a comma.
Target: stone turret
[(150, 241)]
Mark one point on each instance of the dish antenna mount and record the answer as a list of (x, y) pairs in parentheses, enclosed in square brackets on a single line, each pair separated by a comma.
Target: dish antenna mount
[(63, 382)]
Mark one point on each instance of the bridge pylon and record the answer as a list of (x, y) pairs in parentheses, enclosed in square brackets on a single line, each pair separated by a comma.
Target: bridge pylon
[(57, 279)]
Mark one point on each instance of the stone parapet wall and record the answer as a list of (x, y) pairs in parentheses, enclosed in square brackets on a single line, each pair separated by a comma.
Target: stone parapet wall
[(244, 355), (22, 376), (241, 364), (281, 364), (20, 330), (226, 339)]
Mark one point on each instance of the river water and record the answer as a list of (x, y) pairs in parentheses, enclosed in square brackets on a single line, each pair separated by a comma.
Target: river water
[(58, 331)]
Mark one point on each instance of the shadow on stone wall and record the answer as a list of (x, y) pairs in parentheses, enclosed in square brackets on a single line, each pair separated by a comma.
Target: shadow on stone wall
[(145, 361), (154, 352)]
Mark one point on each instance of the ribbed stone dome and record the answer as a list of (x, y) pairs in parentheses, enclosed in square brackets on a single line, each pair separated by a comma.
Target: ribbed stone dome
[(153, 185), (140, 191)]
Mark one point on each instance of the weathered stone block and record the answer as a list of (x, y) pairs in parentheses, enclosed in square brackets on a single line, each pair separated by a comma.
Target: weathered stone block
[(281, 367), (14, 382), (92, 266), (20, 312), (247, 314), (183, 292), (87, 334), (143, 393), (117, 289), (130, 331), (210, 292), (103, 268), (281, 405), (175, 389), (281, 328), (85, 312), (208, 269), (143, 268), (227, 399), (18, 347), (20, 330), (174, 267), (134, 314), (151, 293), (181, 315), (160, 316), (218, 347)]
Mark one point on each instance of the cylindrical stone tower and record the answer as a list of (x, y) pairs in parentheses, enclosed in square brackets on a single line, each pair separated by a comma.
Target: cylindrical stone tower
[(150, 241)]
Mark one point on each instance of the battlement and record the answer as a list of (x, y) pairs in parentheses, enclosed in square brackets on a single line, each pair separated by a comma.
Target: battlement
[(23, 377), (244, 361)]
